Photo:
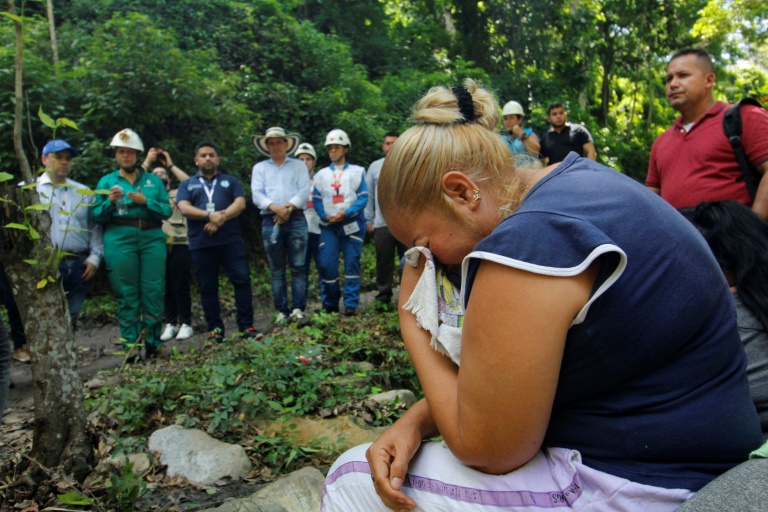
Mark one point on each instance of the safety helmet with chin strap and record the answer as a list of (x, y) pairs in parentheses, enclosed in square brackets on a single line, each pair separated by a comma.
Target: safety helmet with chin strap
[(339, 137), (127, 138)]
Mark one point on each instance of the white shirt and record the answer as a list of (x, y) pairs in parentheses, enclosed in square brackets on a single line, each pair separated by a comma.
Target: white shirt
[(287, 183), (72, 229), (372, 210)]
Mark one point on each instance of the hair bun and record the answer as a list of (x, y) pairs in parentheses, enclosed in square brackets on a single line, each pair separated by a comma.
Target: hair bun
[(442, 105)]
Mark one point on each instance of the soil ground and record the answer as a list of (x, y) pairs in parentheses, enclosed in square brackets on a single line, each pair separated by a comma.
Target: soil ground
[(97, 344)]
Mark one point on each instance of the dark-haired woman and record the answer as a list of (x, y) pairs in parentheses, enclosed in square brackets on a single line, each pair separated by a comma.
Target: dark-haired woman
[(739, 240)]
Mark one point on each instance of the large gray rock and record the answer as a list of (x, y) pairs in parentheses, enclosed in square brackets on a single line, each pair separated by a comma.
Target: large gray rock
[(300, 491), (402, 396), (197, 456)]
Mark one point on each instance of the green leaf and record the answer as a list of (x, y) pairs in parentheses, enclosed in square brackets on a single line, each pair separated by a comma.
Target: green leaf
[(46, 119), (73, 498), (12, 16), (41, 283), (4, 176), (101, 192), (33, 234), (85, 192), (31, 262), (39, 206), (63, 121), (29, 186), (13, 225)]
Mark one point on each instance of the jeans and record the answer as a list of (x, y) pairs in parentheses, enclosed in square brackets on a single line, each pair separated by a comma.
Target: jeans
[(333, 239), (233, 258), (291, 246), (71, 270), (178, 302)]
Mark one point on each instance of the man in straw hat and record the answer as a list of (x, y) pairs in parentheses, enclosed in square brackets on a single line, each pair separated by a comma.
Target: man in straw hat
[(280, 187)]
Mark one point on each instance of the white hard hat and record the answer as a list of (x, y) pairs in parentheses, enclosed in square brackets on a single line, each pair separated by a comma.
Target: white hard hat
[(339, 137), (127, 138), (306, 149), (512, 107)]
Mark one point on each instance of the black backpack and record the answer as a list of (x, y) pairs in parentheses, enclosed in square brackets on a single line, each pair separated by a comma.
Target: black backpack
[(732, 130)]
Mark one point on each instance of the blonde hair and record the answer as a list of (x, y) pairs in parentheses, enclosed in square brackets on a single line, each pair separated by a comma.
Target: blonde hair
[(444, 140)]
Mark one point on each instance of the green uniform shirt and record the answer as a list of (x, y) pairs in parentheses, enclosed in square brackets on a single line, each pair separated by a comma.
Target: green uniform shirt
[(158, 206)]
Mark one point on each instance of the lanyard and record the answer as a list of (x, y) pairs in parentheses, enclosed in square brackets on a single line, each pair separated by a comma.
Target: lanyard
[(208, 191), (336, 185)]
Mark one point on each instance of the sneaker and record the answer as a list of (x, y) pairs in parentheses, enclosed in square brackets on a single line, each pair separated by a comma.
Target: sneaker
[(280, 320), (252, 333), (350, 311), (22, 355), (216, 336), (298, 317), (156, 352), (330, 309), (169, 332), (185, 331)]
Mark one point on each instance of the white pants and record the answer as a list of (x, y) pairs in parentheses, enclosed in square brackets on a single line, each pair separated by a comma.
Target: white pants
[(437, 481)]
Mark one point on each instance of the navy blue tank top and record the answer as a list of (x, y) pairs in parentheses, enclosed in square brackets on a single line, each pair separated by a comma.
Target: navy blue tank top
[(652, 385)]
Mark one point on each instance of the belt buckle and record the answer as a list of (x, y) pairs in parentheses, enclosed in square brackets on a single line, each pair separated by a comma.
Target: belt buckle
[(141, 224)]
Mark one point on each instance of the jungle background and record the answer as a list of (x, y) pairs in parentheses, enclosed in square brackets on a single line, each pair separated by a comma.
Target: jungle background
[(184, 70)]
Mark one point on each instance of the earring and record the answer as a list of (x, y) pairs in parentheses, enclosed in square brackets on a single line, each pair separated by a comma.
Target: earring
[(476, 195)]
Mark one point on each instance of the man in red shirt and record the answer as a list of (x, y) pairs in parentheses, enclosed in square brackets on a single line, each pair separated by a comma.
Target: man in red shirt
[(693, 161)]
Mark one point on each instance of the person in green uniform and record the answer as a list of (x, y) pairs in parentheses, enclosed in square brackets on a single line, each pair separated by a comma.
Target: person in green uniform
[(134, 243)]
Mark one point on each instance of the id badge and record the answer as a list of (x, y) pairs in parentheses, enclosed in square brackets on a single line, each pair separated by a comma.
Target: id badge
[(351, 228), (210, 207), (338, 198)]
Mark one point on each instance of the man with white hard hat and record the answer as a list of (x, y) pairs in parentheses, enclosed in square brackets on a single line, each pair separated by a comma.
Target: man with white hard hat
[(340, 195)]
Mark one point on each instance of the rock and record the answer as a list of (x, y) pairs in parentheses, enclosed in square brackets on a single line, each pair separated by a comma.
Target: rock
[(340, 433), (300, 491), (96, 383), (197, 456), (142, 462), (358, 377), (403, 396), (250, 504)]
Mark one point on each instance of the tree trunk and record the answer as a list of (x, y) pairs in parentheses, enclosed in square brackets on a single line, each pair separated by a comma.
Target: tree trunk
[(52, 30), (59, 437)]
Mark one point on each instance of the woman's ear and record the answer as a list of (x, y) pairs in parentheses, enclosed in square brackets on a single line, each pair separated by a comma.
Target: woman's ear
[(460, 189)]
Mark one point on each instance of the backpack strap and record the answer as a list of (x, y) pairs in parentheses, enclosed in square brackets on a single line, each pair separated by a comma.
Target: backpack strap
[(732, 128)]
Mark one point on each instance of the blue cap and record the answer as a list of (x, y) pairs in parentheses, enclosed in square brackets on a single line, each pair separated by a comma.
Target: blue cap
[(58, 145)]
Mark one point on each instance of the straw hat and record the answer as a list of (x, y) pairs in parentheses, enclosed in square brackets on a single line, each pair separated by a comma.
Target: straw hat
[(276, 132)]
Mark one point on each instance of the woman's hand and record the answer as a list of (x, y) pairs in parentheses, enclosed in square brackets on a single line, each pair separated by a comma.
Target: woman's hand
[(389, 457), (138, 197)]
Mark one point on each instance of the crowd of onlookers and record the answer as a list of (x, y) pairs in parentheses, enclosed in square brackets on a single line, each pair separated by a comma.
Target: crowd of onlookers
[(151, 235)]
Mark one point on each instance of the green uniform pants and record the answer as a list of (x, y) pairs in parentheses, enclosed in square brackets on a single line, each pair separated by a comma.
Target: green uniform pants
[(135, 261)]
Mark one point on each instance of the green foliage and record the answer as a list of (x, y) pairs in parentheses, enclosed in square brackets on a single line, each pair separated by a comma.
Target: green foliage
[(294, 372)]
